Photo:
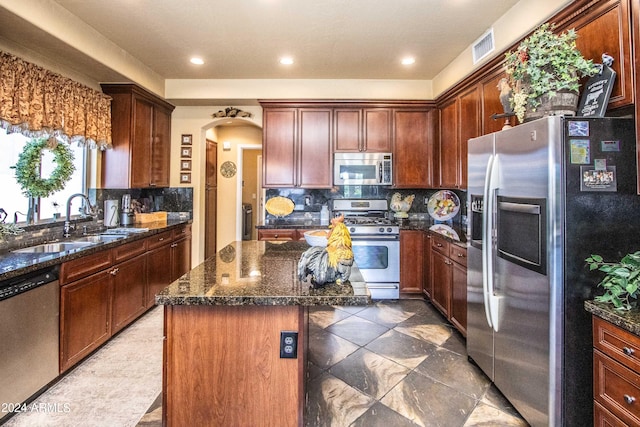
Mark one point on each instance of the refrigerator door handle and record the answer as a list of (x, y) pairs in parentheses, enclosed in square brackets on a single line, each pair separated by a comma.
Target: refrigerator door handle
[(495, 300), (486, 242)]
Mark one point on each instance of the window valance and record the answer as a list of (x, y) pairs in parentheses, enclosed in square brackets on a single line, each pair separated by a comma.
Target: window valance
[(37, 102)]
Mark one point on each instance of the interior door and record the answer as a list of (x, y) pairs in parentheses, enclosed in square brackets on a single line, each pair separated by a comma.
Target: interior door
[(211, 194)]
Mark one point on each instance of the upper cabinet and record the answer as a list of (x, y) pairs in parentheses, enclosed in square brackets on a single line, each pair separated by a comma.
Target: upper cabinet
[(141, 135), (413, 137), (297, 147), (363, 129), (448, 173)]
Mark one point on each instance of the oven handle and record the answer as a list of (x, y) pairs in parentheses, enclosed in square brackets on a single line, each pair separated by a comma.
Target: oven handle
[(373, 238)]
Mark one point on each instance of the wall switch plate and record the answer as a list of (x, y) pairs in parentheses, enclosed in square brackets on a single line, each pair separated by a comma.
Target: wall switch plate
[(288, 345)]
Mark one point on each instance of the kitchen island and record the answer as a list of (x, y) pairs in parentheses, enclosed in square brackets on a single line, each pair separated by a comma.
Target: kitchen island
[(223, 325)]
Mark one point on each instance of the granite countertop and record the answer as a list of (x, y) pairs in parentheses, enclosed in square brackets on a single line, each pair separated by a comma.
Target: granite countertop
[(259, 273), (454, 232), (14, 264), (627, 320)]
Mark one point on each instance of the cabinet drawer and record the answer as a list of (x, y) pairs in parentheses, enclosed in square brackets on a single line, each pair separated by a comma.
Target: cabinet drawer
[(617, 343), (439, 244), (129, 250), (159, 239), (458, 254), (616, 388), (82, 267), (181, 232), (277, 234), (603, 418)]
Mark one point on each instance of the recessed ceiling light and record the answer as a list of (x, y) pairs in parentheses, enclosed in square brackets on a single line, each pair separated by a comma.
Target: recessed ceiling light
[(286, 60), (408, 60), (196, 60)]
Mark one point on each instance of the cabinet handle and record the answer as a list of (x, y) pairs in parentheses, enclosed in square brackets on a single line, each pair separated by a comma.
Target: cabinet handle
[(460, 255), (629, 399), (161, 239), (276, 235), (448, 262), (114, 271), (439, 245), (173, 245), (628, 351)]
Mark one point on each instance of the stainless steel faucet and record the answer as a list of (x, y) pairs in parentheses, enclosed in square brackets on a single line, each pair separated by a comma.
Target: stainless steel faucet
[(67, 220)]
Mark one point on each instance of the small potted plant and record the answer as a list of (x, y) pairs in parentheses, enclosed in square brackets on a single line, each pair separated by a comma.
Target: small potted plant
[(544, 66), (621, 282)]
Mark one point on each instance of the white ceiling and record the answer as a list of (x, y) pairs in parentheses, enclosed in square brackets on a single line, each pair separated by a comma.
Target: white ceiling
[(243, 39)]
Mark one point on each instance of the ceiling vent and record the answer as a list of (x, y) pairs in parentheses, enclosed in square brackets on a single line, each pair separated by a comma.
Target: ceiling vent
[(483, 46)]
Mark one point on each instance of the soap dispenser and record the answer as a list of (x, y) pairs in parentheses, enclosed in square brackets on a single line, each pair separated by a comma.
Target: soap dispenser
[(324, 215)]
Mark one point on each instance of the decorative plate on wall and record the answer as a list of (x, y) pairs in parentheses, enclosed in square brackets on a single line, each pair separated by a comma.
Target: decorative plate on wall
[(279, 206), (228, 169)]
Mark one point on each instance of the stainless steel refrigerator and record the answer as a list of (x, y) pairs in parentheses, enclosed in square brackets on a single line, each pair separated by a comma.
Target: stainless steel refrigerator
[(542, 197)]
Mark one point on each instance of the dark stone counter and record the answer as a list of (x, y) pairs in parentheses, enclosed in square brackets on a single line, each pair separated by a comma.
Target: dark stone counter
[(14, 264), (454, 232), (259, 273), (627, 320)]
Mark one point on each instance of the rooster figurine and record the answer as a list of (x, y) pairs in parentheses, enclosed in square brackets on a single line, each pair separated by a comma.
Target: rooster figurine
[(330, 264), (401, 206)]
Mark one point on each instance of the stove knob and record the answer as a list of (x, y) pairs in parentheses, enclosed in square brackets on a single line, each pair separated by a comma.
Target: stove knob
[(381, 229), (352, 229), (389, 230)]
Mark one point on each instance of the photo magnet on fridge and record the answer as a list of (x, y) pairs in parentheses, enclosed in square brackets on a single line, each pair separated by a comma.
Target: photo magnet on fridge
[(594, 179), (580, 151)]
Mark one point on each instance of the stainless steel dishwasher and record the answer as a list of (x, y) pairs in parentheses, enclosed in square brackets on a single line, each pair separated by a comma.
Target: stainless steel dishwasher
[(29, 331)]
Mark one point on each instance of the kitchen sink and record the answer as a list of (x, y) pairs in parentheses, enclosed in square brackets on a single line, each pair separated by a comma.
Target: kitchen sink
[(54, 247), (98, 238)]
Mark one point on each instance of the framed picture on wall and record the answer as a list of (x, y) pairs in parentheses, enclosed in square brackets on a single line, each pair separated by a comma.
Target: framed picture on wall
[(185, 178), (185, 165), (186, 152), (186, 139)]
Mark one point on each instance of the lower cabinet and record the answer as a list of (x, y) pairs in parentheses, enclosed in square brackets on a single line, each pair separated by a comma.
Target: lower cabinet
[(85, 317), (411, 253), (102, 293), (448, 280), (616, 375)]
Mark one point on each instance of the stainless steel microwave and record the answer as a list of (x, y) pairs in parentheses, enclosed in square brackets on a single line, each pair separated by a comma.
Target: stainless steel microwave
[(362, 169)]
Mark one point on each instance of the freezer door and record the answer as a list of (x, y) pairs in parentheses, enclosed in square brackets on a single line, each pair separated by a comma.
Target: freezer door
[(521, 340), (479, 331)]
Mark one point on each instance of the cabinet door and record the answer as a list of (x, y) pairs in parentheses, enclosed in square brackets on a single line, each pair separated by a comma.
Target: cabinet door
[(161, 148), (180, 257), (469, 127), (129, 286), (427, 284), (377, 130), (141, 143), (459, 297), (441, 280), (411, 252), (491, 105), (85, 317), (314, 164), (279, 141), (158, 271), (448, 158), (412, 149), (348, 134)]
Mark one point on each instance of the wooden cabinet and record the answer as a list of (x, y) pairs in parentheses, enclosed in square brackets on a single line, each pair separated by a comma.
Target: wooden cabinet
[(448, 154), (85, 317), (448, 280), (490, 104), (427, 284), (363, 129), (616, 375), (141, 136), (180, 252), (411, 253), (458, 312), (129, 287), (158, 271), (281, 234), (413, 148), (297, 145)]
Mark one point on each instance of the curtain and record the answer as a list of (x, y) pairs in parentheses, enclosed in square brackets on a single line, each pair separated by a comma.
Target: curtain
[(37, 102)]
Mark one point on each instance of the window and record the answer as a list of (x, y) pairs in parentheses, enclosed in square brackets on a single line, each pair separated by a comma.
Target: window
[(13, 200)]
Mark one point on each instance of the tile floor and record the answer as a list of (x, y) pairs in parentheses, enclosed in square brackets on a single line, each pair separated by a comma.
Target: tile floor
[(392, 364)]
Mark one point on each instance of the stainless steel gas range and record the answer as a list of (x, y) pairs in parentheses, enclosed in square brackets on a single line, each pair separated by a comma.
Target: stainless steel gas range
[(375, 242)]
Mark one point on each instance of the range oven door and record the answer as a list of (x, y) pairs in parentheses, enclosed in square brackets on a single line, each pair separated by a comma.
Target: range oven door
[(378, 259)]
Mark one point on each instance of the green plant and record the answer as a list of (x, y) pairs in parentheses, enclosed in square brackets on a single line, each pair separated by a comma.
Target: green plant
[(621, 281), (545, 63), (9, 230)]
